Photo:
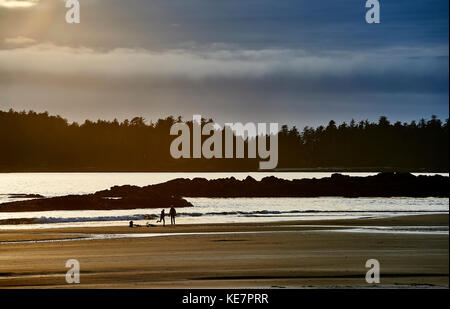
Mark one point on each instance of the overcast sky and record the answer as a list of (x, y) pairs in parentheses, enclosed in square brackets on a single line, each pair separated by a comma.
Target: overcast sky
[(292, 61)]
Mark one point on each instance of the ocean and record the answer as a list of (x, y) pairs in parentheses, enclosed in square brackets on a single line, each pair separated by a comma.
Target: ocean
[(206, 210)]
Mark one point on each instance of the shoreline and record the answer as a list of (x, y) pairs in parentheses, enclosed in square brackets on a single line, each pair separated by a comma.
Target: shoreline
[(440, 219), (27, 224), (290, 254)]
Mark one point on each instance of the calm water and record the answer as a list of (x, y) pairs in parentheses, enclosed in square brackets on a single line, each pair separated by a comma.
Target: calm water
[(205, 210)]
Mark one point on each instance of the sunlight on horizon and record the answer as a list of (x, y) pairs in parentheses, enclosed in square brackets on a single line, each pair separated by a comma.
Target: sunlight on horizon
[(18, 3)]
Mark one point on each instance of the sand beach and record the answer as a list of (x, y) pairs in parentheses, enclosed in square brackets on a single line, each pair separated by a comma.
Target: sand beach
[(412, 251)]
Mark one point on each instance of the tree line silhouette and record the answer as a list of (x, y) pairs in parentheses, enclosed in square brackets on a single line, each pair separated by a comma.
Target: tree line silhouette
[(31, 141)]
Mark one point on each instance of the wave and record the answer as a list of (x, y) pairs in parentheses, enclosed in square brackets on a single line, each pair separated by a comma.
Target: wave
[(280, 212), (90, 219), (258, 213)]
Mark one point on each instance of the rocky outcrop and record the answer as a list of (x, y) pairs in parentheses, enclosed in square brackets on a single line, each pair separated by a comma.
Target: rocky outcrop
[(380, 185), (170, 193), (129, 198)]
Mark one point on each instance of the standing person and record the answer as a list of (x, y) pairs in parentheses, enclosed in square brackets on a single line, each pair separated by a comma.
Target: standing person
[(172, 214), (162, 218)]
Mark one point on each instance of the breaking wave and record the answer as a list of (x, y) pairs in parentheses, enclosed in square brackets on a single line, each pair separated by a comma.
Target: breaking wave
[(259, 213)]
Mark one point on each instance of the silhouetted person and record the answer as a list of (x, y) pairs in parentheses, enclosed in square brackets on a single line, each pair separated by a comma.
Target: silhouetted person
[(131, 223), (162, 217), (172, 214)]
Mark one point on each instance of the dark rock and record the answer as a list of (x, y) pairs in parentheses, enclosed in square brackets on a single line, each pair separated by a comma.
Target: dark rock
[(170, 193)]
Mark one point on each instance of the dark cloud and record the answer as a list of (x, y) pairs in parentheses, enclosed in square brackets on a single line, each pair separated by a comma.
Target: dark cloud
[(262, 60)]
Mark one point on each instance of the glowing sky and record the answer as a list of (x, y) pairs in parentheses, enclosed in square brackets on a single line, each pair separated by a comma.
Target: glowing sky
[(18, 3), (296, 62)]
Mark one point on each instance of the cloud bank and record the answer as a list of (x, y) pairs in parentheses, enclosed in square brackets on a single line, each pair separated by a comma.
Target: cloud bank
[(393, 69), (256, 60)]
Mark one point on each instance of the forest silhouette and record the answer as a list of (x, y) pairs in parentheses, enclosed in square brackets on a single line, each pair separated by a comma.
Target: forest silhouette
[(31, 141)]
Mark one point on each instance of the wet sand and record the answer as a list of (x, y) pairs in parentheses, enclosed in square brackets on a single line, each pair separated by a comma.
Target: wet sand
[(302, 254)]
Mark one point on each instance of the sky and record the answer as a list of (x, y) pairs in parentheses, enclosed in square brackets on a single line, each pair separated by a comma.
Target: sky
[(296, 62)]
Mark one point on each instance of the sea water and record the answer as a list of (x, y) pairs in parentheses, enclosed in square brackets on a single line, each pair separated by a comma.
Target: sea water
[(205, 210)]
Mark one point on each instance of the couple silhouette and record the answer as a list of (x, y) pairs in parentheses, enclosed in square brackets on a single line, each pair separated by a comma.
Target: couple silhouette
[(172, 214)]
